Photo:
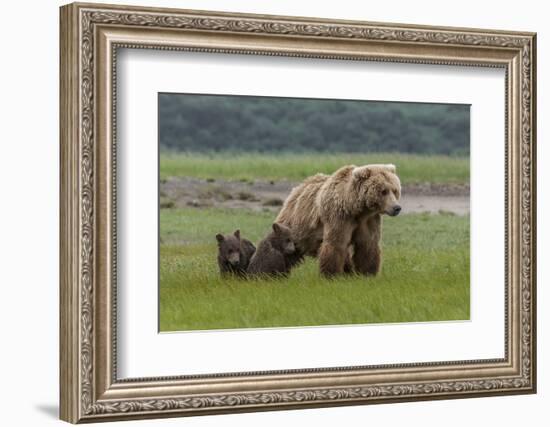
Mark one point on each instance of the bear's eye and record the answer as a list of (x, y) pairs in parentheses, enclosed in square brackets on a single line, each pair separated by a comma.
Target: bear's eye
[(385, 192)]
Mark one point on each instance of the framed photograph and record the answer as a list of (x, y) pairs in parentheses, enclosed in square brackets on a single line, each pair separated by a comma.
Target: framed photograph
[(266, 212)]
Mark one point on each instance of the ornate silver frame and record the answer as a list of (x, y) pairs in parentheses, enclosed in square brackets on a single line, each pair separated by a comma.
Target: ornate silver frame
[(90, 36)]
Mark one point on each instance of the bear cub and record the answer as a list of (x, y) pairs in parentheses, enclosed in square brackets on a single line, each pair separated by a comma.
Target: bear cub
[(276, 253), (234, 253)]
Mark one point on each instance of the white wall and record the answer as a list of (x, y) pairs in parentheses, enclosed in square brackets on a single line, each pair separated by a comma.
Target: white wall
[(29, 170)]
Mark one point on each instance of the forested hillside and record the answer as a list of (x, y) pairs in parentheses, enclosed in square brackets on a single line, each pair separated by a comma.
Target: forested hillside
[(261, 124)]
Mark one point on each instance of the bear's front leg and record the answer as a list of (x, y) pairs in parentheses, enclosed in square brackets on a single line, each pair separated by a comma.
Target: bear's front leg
[(334, 249), (367, 255)]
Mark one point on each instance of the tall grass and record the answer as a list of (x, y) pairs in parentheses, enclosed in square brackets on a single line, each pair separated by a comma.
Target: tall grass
[(425, 276), (295, 167)]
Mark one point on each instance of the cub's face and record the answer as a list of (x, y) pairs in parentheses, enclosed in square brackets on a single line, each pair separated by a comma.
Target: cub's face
[(378, 188), (282, 239), (229, 247)]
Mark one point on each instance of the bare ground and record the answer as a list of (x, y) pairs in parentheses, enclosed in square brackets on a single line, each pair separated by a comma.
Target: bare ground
[(270, 195)]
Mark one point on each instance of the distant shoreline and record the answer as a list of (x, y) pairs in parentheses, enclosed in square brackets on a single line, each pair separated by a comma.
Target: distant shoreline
[(179, 192)]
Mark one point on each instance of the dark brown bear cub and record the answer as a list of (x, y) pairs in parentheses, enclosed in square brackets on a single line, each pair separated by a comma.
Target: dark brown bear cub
[(275, 255), (234, 253)]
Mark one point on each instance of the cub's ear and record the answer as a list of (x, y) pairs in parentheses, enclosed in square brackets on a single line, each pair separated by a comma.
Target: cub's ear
[(237, 234), (361, 172), (280, 228), (219, 238)]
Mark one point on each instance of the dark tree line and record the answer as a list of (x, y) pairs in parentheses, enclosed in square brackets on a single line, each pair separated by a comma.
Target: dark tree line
[(263, 124)]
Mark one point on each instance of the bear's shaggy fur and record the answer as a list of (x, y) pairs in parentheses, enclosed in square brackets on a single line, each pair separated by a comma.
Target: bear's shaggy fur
[(338, 217), (234, 253), (275, 253)]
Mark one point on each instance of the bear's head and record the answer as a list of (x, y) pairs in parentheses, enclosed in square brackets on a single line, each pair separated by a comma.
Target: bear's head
[(229, 247), (281, 239), (376, 188)]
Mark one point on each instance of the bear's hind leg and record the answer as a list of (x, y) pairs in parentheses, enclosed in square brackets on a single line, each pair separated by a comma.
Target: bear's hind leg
[(348, 264)]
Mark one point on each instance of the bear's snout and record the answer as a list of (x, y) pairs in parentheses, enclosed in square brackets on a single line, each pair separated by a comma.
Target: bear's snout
[(290, 248), (395, 211), (234, 258)]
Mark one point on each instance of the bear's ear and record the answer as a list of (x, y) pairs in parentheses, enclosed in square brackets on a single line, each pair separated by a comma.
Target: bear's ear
[(219, 237), (361, 172), (390, 168), (278, 228), (237, 234)]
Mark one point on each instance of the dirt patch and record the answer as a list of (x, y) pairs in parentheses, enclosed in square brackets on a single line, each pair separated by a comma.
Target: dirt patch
[(270, 195), (437, 190)]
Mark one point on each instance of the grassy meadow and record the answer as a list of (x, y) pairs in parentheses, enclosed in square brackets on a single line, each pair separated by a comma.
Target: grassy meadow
[(411, 168), (424, 277)]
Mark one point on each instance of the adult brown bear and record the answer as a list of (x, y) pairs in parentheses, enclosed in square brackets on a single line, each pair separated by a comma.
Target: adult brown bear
[(338, 217)]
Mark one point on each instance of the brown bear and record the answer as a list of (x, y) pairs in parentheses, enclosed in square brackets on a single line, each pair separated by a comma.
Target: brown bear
[(275, 253), (234, 253), (338, 217)]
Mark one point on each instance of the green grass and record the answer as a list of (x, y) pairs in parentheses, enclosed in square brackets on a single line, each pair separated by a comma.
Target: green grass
[(425, 276), (295, 167)]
